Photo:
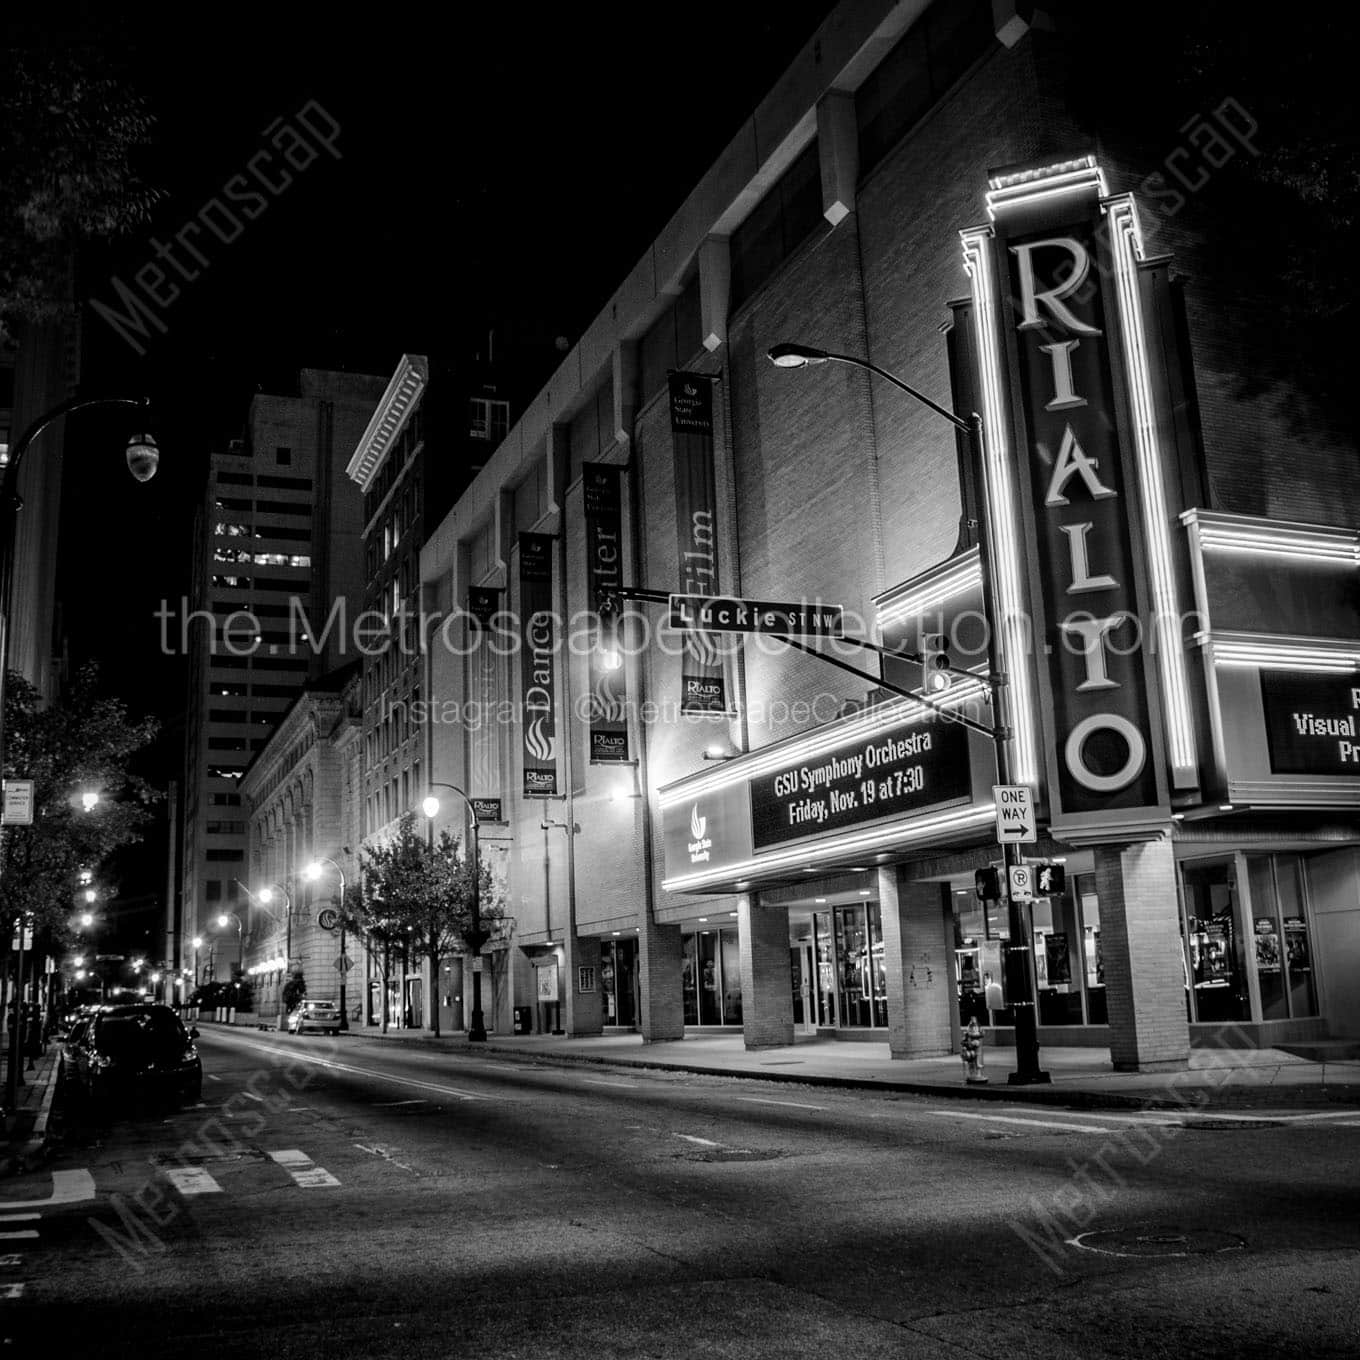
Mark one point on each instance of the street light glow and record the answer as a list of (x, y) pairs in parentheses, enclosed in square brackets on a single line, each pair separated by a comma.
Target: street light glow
[(90, 896), (430, 807), (88, 799), (222, 920), (788, 355), (79, 960), (86, 919), (312, 872), (197, 941), (266, 895)]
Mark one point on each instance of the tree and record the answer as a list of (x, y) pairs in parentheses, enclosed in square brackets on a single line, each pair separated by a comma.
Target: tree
[(80, 744), (69, 130), (421, 894)]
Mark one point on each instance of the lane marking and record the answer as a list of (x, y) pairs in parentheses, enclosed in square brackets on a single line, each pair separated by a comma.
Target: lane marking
[(18, 1218), (211, 1077), (392, 1104), (305, 1173), (703, 1142), (11, 1291), (191, 1180), (378, 1150), (618, 1085), (297, 1055), (68, 1187), (791, 1104), (12, 1259), (23, 1235), (1012, 1119), (250, 1095)]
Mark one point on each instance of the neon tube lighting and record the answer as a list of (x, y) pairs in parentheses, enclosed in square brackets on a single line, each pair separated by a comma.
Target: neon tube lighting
[(895, 834), (823, 740), (1127, 247), (1005, 541), (945, 587), (1031, 186)]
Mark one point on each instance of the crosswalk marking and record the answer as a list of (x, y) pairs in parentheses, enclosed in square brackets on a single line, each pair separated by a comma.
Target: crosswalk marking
[(11, 1259), (305, 1173), (1013, 1119), (68, 1187), (11, 1291), (192, 1180)]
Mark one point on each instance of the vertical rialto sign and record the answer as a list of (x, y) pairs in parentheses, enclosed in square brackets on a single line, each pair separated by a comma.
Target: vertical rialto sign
[(537, 665), (601, 492), (483, 685), (1102, 749), (703, 689)]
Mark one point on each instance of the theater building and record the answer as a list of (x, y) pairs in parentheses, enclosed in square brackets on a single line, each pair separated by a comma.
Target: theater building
[(724, 831)]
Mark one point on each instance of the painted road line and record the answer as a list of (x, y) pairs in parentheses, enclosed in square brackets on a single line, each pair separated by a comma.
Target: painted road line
[(392, 1104), (791, 1104), (11, 1291), (599, 1081), (191, 1180), (703, 1142), (303, 1170), (19, 1218), (211, 1077), (299, 1055), (1012, 1119), (68, 1187), (250, 1095), (23, 1235), (11, 1259)]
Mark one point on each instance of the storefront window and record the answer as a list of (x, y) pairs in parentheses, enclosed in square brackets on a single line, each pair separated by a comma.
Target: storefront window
[(1284, 959), (731, 977), (618, 977), (710, 1006), (1092, 960), (878, 973), (688, 973), (826, 969)]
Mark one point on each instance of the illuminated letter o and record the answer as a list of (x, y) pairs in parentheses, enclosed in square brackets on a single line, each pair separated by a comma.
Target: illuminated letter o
[(1105, 783)]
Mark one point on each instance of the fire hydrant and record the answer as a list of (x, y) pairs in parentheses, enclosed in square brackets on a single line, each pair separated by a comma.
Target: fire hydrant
[(971, 1047)]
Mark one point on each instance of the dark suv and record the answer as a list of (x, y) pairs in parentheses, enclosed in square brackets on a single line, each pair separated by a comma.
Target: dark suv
[(137, 1051)]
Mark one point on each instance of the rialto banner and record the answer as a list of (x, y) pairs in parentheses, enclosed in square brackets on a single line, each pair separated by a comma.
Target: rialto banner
[(537, 658), (483, 684), (703, 687), (600, 489)]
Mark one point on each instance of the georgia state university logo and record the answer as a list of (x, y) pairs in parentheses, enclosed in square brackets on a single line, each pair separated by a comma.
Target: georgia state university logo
[(543, 748), (701, 844)]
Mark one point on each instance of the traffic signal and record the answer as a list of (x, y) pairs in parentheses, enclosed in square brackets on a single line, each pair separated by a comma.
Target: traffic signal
[(1050, 880), (934, 663), (987, 884)]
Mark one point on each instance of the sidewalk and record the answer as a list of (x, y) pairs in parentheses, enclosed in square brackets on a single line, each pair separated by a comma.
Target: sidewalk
[(25, 1126), (1081, 1077)]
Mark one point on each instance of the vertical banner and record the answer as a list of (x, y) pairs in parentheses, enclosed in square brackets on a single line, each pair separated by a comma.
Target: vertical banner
[(483, 686), (537, 665), (600, 489), (691, 399)]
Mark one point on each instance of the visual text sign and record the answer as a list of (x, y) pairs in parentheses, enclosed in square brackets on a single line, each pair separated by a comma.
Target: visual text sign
[(727, 614)]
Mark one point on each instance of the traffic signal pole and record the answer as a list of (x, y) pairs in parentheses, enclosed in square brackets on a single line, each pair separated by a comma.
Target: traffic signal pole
[(1021, 983)]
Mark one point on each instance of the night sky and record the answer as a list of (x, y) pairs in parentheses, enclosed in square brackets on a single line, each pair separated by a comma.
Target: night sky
[(499, 168)]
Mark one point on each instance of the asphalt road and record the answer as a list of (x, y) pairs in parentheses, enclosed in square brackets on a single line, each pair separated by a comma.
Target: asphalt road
[(350, 1198)]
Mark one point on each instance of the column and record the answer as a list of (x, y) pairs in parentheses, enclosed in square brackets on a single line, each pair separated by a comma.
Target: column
[(660, 956), (1140, 940), (584, 1012), (766, 982), (918, 938)]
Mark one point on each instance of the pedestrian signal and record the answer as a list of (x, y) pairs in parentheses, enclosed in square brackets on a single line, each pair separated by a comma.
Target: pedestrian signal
[(987, 885)]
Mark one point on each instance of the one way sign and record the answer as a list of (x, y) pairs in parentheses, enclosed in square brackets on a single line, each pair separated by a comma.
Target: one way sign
[(1014, 814)]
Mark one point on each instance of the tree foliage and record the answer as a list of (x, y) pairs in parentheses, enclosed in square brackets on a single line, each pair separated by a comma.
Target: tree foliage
[(420, 895), (70, 128), (82, 743)]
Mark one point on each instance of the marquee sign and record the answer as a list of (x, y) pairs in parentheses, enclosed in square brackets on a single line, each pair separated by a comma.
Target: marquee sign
[(1312, 722)]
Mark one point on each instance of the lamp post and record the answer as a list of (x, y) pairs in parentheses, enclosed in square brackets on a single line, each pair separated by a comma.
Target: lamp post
[(197, 943), (240, 938), (266, 895), (312, 872), (1020, 951), (476, 938)]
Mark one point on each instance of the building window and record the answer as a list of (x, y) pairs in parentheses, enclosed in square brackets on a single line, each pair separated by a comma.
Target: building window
[(283, 456), (212, 889), (777, 226), (488, 419)]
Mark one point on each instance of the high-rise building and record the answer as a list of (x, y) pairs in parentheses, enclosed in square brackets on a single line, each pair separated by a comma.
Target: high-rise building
[(276, 559)]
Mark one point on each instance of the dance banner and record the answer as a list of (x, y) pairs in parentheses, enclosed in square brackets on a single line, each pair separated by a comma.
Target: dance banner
[(537, 664), (483, 687)]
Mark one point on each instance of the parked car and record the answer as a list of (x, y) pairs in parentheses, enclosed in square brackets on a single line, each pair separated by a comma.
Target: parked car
[(322, 1016), (135, 1051)]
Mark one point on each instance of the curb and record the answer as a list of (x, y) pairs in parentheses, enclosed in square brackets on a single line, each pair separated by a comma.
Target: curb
[(17, 1162), (1224, 1096)]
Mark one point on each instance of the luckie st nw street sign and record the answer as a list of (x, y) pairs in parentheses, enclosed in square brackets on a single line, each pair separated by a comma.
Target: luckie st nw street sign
[(727, 614)]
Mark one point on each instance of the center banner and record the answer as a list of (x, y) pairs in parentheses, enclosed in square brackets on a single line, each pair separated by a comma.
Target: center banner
[(703, 688), (537, 665), (600, 490), (483, 685)]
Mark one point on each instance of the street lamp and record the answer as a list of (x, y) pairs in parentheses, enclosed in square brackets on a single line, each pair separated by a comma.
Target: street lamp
[(311, 873), (240, 940), (1020, 950), (197, 942), (475, 936), (266, 895)]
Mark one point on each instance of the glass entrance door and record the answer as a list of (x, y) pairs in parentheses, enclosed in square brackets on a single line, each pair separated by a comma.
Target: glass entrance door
[(1215, 959)]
